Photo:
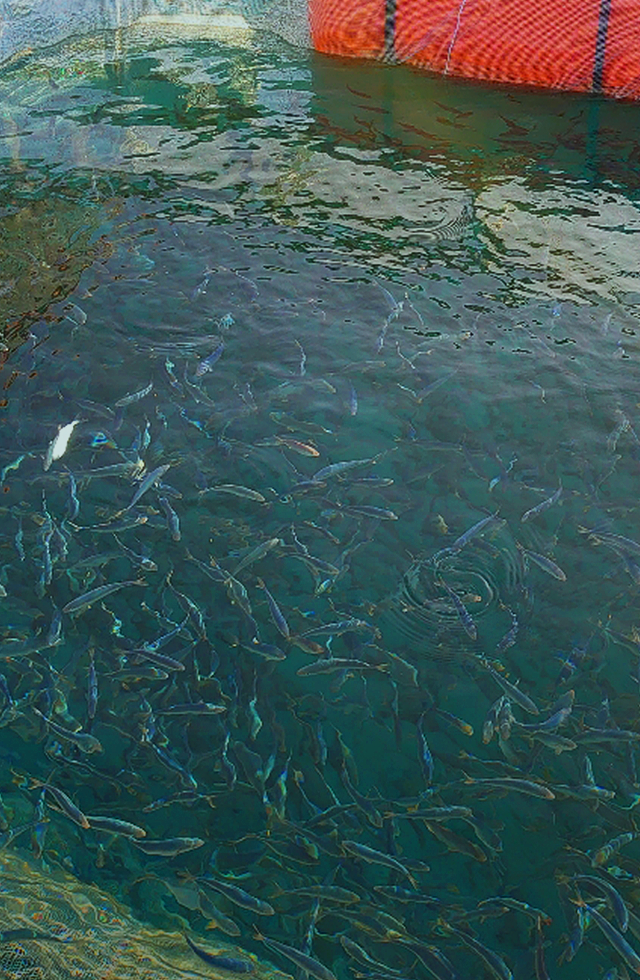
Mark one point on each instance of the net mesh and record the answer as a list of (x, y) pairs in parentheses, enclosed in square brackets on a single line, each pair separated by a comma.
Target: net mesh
[(55, 928)]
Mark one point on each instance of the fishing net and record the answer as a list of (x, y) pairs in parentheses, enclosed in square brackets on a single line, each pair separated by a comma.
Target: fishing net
[(55, 928)]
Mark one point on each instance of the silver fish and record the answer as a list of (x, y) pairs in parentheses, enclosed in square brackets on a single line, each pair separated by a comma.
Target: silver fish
[(542, 506), (237, 491), (82, 602), (147, 482), (168, 847), (134, 396)]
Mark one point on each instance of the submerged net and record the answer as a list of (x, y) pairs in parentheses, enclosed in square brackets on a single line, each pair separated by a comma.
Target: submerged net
[(56, 928), (41, 23)]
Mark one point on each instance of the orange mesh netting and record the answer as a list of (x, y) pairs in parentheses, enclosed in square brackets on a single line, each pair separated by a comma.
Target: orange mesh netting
[(579, 45)]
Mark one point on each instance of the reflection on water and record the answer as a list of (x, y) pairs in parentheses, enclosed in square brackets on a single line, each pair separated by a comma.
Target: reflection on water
[(318, 456)]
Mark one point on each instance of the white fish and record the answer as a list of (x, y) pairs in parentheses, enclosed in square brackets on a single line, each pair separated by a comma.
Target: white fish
[(58, 446)]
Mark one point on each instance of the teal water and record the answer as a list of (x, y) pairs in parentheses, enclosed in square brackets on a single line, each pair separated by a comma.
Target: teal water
[(278, 263)]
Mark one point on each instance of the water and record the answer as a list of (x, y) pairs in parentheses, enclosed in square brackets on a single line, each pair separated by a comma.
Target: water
[(436, 280)]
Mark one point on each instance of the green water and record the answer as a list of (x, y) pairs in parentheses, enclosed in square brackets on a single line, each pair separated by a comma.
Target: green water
[(436, 280)]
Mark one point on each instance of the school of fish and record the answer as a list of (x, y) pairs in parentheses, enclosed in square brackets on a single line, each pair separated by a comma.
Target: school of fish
[(210, 702)]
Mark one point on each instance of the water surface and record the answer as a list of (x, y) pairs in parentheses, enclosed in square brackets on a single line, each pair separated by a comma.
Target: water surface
[(297, 263)]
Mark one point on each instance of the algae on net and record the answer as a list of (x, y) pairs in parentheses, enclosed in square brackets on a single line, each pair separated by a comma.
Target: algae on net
[(55, 928), (44, 247)]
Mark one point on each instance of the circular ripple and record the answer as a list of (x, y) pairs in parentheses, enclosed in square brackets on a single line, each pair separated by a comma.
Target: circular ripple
[(486, 576)]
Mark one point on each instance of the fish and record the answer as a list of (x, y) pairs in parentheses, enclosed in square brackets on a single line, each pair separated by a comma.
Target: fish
[(540, 965), (363, 803), (303, 358), (357, 953), (612, 894), (207, 363), (554, 741), (299, 425), (496, 964), (604, 854), (372, 856), (246, 492), (326, 893), (147, 482), (365, 510), (435, 962), (66, 805), (266, 650), (316, 564), (428, 389), (220, 961), (256, 554), (215, 918), (424, 755), (168, 847), (329, 665), (515, 905), (161, 659), (337, 469), (512, 690), (456, 842), (134, 396), (542, 506), (437, 813), (400, 894), (459, 723), (509, 637), (353, 401), (113, 825), (142, 560), (128, 674), (125, 468), (600, 736), (302, 448), (173, 521), (276, 613), (617, 940), (546, 564), (464, 616), (237, 895), (86, 743), (514, 784), (303, 961), (585, 792), (476, 529), (343, 626), (59, 444), (82, 602), (193, 709), (92, 692), (617, 542)]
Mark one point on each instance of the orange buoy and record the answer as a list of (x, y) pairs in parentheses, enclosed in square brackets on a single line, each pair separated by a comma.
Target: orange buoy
[(571, 45)]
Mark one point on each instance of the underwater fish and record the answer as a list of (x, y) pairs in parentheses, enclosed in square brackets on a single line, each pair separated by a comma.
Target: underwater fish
[(58, 446)]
